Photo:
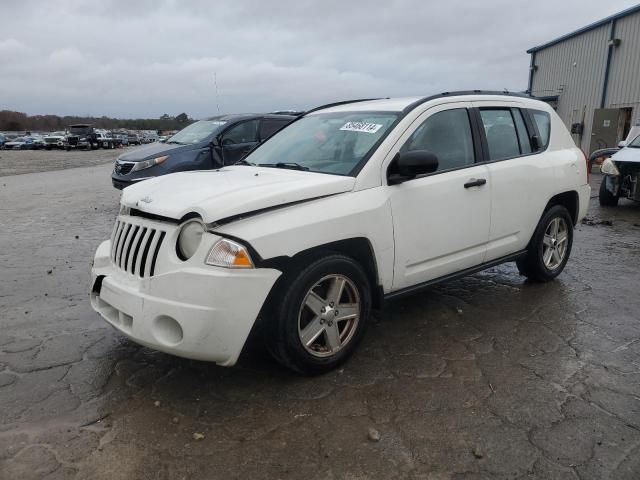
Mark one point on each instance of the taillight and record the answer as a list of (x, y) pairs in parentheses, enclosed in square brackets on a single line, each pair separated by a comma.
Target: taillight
[(586, 161)]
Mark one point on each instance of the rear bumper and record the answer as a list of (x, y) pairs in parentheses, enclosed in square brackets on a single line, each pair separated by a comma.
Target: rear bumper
[(584, 195), (202, 313)]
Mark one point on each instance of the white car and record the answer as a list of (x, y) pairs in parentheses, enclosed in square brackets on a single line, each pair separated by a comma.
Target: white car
[(622, 174), (104, 139), (17, 143), (54, 140), (352, 204)]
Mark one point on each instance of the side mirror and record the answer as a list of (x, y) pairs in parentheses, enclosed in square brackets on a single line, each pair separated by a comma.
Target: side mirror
[(217, 152), (216, 141), (408, 165), (622, 144)]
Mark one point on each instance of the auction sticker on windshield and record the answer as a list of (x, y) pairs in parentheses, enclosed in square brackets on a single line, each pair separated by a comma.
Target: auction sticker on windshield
[(361, 127)]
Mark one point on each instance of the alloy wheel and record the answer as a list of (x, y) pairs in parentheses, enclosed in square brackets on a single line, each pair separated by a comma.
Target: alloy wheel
[(329, 315), (555, 242)]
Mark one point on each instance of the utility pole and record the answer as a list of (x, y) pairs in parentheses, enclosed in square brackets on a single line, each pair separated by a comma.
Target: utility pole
[(215, 82)]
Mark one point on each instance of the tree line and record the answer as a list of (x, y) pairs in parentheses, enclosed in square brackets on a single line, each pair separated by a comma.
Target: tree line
[(18, 121)]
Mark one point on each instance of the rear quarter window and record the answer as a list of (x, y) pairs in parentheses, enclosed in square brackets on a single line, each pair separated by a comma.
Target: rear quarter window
[(543, 123)]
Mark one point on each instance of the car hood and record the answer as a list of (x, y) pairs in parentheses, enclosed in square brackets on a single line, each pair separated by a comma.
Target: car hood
[(230, 191), (627, 154), (153, 150)]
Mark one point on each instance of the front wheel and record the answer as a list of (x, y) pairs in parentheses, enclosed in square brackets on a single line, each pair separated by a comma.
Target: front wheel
[(550, 246), (319, 315)]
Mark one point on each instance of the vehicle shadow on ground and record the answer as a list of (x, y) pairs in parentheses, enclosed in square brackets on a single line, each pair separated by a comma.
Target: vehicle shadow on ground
[(437, 336)]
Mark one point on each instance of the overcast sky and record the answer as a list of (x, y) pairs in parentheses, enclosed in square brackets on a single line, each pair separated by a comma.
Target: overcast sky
[(135, 58)]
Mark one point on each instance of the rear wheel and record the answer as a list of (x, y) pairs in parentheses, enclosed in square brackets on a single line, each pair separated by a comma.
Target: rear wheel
[(550, 246), (605, 196), (319, 315)]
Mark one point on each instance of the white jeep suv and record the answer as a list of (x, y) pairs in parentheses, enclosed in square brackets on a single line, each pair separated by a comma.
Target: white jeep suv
[(351, 204)]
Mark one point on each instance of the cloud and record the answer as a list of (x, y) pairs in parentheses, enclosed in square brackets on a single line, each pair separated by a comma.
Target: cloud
[(137, 59)]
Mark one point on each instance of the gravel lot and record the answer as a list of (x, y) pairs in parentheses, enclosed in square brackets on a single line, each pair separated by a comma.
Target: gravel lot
[(16, 162), (485, 377)]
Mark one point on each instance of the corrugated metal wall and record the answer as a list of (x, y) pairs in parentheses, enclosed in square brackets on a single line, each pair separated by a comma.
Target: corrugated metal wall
[(624, 76), (574, 70)]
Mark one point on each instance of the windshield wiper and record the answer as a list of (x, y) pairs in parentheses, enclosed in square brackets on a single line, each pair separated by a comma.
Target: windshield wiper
[(173, 141), (289, 165), (244, 162)]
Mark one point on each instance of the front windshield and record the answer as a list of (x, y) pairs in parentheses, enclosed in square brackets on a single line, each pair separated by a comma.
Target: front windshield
[(635, 143), (325, 142), (79, 130), (196, 132)]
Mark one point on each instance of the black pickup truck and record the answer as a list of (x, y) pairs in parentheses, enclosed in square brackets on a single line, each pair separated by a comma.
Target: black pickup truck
[(81, 136)]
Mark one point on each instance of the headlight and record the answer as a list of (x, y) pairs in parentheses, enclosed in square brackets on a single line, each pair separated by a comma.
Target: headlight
[(149, 163), (609, 168), (229, 254), (189, 239)]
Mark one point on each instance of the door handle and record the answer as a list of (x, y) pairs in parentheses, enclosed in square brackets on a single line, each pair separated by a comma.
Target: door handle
[(475, 182)]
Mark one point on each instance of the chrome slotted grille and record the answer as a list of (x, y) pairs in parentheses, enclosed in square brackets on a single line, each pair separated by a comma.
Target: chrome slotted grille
[(134, 248), (123, 168)]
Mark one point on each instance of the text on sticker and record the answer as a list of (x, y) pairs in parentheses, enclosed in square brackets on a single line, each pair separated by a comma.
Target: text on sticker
[(361, 127)]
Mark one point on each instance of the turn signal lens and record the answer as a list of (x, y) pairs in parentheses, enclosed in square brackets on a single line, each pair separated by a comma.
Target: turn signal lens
[(229, 254)]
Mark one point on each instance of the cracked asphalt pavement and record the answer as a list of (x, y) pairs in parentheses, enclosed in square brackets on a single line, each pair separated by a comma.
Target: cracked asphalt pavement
[(484, 377)]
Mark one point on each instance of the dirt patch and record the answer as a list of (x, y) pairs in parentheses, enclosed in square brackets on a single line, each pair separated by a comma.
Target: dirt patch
[(16, 162)]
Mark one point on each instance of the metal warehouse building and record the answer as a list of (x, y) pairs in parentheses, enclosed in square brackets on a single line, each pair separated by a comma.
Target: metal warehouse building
[(592, 78)]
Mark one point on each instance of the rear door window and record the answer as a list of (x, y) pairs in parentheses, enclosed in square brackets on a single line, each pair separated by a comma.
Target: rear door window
[(269, 126), (523, 135), (246, 132), (543, 122), (500, 132)]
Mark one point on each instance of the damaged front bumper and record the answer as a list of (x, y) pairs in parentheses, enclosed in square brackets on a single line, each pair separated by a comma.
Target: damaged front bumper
[(627, 183), (197, 312)]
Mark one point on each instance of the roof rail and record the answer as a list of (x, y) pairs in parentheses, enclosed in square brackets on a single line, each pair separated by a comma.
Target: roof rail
[(413, 105), (294, 113), (344, 102)]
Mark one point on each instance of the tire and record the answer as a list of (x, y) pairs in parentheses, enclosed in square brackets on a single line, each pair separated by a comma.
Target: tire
[(538, 264), (605, 197), (304, 304)]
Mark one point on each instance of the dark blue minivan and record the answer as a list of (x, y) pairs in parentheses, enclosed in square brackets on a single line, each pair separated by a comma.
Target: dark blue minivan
[(203, 145)]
